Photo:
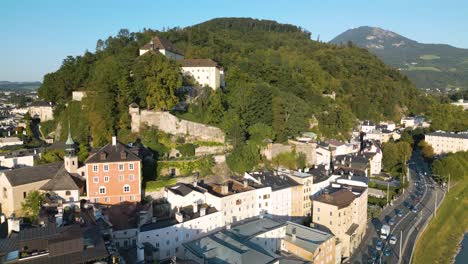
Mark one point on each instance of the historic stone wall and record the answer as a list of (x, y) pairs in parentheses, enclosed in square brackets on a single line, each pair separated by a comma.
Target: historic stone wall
[(171, 124)]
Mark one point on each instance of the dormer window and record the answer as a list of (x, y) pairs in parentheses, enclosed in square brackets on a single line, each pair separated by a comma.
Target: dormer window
[(103, 155), (123, 155)]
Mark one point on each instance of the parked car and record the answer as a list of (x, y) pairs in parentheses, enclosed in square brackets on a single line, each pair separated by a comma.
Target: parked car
[(393, 240), (379, 245), (399, 213), (387, 251), (391, 221), (414, 209)]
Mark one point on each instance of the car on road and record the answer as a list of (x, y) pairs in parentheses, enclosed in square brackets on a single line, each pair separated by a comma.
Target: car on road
[(391, 221), (399, 213), (416, 199), (408, 204), (379, 245), (393, 240), (414, 209), (387, 251)]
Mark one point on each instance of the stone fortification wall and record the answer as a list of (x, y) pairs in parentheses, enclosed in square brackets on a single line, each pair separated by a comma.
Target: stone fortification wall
[(171, 124)]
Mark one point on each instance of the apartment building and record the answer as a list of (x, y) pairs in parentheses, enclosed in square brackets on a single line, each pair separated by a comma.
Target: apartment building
[(285, 197), (342, 210), (445, 142), (263, 240), (42, 110), (306, 180), (113, 175)]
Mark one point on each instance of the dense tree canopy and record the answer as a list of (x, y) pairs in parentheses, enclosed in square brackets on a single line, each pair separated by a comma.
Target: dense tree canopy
[(275, 74)]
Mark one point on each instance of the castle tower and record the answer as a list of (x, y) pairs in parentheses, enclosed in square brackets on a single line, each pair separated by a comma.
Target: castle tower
[(70, 159)]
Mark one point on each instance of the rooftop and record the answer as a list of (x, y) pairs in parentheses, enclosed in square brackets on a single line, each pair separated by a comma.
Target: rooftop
[(61, 181), (187, 214), (199, 63), (463, 135), (184, 189), (307, 238), (229, 187), (27, 175), (276, 182), (113, 153), (159, 42), (340, 198)]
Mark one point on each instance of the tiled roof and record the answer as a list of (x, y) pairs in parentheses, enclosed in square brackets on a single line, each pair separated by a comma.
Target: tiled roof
[(60, 182), (162, 43), (113, 153), (447, 134), (198, 63), (27, 175), (39, 103)]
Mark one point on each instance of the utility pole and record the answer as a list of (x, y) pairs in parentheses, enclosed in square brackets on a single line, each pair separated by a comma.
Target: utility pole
[(388, 189), (448, 185), (401, 239)]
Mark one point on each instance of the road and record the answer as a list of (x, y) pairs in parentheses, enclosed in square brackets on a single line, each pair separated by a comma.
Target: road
[(409, 225)]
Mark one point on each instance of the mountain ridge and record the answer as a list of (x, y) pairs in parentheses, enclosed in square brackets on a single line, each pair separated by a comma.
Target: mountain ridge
[(428, 65)]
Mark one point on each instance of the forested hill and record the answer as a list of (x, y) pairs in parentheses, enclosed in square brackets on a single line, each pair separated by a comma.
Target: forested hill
[(276, 77), (427, 65)]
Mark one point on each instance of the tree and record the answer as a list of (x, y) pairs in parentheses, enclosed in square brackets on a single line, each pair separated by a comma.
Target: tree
[(31, 204), (286, 159), (159, 77), (259, 132), (427, 150), (187, 150), (243, 158), (391, 156), (404, 151)]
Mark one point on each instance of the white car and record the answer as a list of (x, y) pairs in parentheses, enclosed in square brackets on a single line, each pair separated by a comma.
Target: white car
[(393, 240)]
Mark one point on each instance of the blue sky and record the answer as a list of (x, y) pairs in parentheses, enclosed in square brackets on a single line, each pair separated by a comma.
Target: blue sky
[(37, 35)]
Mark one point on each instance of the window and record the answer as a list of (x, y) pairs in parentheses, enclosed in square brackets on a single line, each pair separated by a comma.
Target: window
[(5, 195), (106, 199), (132, 198), (95, 179), (331, 213), (131, 177), (122, 198), (126, 188), (106, 167), (95, 168), (24, 194), (318, 209), (121, 177), (106, 178), (96, 200), (67, 193), (130, 166), (102, 190), (121, 167)]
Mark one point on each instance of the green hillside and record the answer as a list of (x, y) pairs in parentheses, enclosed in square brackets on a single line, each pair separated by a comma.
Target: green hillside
[(427, 65), (275, 74)]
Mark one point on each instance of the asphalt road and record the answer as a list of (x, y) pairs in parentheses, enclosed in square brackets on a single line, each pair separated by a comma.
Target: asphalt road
[(409, 225)]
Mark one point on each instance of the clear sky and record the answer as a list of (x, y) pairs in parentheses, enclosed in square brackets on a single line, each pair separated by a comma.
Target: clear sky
[(37, 35)]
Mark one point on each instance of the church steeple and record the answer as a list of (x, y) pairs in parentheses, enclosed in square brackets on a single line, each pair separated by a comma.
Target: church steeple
[(70, 144), (70, 159)]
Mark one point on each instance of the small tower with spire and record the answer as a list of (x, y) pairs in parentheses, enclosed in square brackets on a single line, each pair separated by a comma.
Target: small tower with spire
[(70, 159)]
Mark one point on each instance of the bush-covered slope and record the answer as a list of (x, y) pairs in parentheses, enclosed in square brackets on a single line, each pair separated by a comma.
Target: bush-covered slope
[(275, 75)]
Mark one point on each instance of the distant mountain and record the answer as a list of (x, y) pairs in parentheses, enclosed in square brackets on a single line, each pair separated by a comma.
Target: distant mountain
[(427, 65), (19, 86)]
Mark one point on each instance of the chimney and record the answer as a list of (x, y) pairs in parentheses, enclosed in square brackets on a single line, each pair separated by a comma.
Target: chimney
[(194, 183), (179, 217), (293, 235), (202, 211), (195, 207), (114, 140), (246, 183), (224, 189)]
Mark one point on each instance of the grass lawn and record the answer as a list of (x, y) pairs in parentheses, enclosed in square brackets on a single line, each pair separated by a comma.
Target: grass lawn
[(439, 242), (160, 183), (429, 57), (422, 68)]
